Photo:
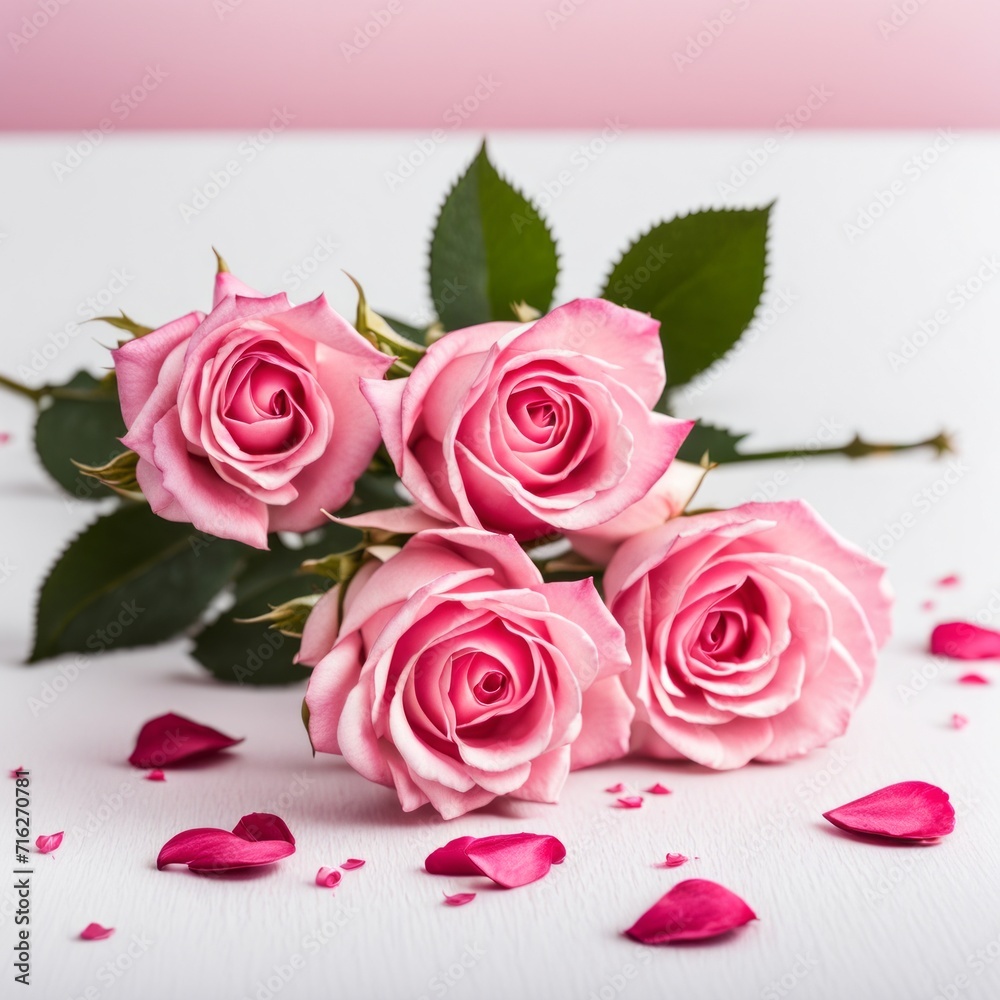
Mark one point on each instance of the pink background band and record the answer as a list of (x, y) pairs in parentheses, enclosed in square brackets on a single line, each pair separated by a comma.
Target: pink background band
[(71, 64)]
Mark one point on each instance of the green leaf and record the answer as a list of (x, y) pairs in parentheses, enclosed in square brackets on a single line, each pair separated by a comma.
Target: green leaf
[(84, 426), (405, 329), (252, 653), (490, 249), (720, 444), (701, 276), (131, 579)]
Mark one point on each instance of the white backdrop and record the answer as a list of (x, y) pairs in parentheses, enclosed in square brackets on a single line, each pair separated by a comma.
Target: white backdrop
[(838, 917)]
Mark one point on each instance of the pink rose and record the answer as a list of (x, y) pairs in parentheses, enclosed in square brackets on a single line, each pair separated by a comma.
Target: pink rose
[(523, 429), (250, 419), (752, 633), (457, 675)]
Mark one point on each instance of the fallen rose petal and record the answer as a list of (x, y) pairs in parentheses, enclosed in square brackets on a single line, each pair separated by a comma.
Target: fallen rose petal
[(959, 721), (965, 641), (658, 789), (690, 911), (156, 775), (48, 843), (351, 863), (459, 898), (927, 605), (630, 802), (675, 860), (95, 932), (951, 580), (616, 789), (909, 810), (452, 859), (263, 826), (328, 877), (171, 738), (973, 678), (516, 858)]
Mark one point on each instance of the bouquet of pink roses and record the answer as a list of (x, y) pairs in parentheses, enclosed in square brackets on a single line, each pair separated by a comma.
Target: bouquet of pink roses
[(475, 539)]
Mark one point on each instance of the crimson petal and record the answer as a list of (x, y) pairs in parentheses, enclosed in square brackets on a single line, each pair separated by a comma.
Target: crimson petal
[(965, 641), (459, 898), (263, 826), (351, 863), (658, 789), (452, 859), (909, 810), (95, 932), (630, 802), (171, 738), (692, 910), (156, 775), (209, 850), (328, 877), (49, 842), (616, 789), (675, 860), (517, 858), (973, 678), (959, 721)]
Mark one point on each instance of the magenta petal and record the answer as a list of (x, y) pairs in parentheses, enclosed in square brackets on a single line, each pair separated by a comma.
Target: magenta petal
[(951, 580), (658, 789), (48, 843), (328, 877), (909, 810), (965, 641), (973, 678), (170, 738), (156, 775), (459, 898), (516, 858), (351, 863), (95, 932), (616, 789), (16, 772), (630, 802), (675, 860), (959, 721), (263, 826), (692, 910), (209, 850), (452, 859)]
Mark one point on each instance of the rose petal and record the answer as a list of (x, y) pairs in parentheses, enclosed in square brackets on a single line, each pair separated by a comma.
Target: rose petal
[(16, 772), (48, 843), (951, 580), (156, 775), (452, 859), (517, 858), (959, 721), (658, 789), (675, 860), (351, 863), (973, 678), (926, 605), (690, 911), (459, 898), (965, 641), (630, 802), (616, 789), (328, 877), (263, 826), (170, 738), (95, 932), (909, 810)]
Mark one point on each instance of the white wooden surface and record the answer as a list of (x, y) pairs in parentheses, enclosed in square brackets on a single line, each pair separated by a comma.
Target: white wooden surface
[(838, 918)]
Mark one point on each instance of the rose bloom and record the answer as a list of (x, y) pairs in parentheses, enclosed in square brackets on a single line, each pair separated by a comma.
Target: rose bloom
[(458, 675), (528, 428), (250, 419), (752, 633)]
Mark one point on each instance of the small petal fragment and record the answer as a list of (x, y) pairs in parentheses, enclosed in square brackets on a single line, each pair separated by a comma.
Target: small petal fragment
[(909, 810), (616, 789), (951, 580), (658, 789), (630, 802), (691, 911), (965, 641), (351, 863), (459, 898), (156, 775), (973, 678), (328, 877), (959, 721), (17, 771), (675, 860), (95, 932), (927, 605), (169, 739), (46, 844)]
